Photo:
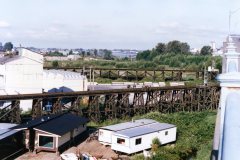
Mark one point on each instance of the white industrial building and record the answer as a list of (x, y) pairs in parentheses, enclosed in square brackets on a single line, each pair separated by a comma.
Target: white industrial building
[(63, 81), (135, 136), (24, 74)]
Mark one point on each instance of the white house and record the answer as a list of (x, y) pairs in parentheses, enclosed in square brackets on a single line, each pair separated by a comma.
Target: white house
[(140, 138), (105, 133)]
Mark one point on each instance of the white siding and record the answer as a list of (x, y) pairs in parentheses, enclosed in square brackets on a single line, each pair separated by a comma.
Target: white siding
[(131, 147), (125, 148), (23, 76), (105, 136), (167, 138)]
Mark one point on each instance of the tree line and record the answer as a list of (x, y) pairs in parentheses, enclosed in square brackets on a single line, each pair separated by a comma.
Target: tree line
[(8, 46), (172, 47)]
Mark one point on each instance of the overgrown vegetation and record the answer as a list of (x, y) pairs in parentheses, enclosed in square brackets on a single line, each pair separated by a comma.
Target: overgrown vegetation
[(194, 135), (165, 61), (172, 55)]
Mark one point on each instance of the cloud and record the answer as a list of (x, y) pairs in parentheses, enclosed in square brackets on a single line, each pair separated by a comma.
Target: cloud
[(48, 33), (4, 24)]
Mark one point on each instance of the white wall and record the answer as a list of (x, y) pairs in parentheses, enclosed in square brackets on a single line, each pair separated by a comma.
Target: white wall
[(125, 148), (52, 79), (105, 136), (130, 146), (23, 76), (172, 133)]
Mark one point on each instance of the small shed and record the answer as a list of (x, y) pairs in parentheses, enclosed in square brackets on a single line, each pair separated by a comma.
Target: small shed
[(105, 133), (140, 138), (49, 133)]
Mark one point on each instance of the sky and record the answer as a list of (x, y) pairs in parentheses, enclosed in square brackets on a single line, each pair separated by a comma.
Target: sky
[(111, 24)]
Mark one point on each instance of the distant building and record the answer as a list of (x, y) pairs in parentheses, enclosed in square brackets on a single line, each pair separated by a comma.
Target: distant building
[(63, 81), (223, 49), (194, 51), (122, 53)]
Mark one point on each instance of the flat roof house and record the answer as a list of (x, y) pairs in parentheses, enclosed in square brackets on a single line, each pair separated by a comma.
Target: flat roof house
[(140, 138), (137, 136), (105, 133), (49, 133)]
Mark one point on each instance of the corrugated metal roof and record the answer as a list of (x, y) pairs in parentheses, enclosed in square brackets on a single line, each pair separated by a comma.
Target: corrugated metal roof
[(64, 74), (127, 125), (142, 130)]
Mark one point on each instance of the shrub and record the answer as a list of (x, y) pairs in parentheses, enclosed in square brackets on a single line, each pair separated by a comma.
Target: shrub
[(55, 63)]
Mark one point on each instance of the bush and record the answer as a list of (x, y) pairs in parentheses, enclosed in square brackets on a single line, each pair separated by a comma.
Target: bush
[(55, 64), (155, 144)]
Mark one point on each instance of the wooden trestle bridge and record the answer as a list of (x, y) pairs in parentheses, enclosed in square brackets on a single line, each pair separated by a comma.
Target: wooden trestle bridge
[(138, 74), (109, 104)]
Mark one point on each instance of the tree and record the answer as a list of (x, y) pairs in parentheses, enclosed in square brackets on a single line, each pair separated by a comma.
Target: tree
[(206, 50), (107, 54), (160, 48), (8, 46), (95, 52), (185, 48), (144, 55), (55, 53), (174, 46), (55, 64), (83, 54), (178, 47), (70, 52)]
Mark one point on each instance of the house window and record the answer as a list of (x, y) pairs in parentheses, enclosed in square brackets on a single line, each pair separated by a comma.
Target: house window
[(138, 141), (46, 141), (120, 141), (166, 133)]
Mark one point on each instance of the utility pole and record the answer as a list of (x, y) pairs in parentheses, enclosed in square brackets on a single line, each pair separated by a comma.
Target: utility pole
[(93, 78)]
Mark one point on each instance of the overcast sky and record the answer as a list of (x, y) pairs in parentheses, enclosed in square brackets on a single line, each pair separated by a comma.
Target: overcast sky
[(133, 24)]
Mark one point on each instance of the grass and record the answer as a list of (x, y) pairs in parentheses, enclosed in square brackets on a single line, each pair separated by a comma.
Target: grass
[(194, 134)]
